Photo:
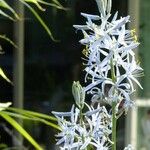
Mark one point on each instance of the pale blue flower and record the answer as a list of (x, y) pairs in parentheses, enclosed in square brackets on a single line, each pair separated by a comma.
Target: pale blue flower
[(108, 43), (94, 130)]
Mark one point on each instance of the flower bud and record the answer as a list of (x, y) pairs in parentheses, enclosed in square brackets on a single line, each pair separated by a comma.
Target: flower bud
[(78, 94)]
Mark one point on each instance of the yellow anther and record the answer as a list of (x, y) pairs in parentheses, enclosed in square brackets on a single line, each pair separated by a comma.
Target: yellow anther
[(134, 35), (135, 38), (133, 31), (85, 52)]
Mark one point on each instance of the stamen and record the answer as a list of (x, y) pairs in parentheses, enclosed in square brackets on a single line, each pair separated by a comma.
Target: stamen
[(85, 52)]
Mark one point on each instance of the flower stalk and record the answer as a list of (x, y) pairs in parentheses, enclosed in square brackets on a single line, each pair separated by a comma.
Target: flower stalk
[(114, 118), (114, 124), (111, 68)]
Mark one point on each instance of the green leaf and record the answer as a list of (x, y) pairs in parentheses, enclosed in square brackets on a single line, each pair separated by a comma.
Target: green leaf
[(22, 131), (39, 19), (36, 2), (55, 4), (32, 113), (8, 40), (32, 118), (5, 15), (4, 76), (6, 6), (15, 115)]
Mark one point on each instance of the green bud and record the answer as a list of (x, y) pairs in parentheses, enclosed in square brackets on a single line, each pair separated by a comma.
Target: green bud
[(78, 94), (102, 6), (109, 5)]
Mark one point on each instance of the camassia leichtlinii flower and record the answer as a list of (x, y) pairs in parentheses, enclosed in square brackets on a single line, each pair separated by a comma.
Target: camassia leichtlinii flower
[(111, 72)]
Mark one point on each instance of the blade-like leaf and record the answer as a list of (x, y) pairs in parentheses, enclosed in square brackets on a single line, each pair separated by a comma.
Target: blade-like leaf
[(32, 113), (22, 131), (39, 19), (15, 115), (57, 2), (36, 2), (6, 15), (6, 6), (8, 40), (4, 76), (32, 118), (54, 4)]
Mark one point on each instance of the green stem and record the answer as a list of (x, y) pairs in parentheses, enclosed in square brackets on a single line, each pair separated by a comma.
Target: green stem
[(114, 123), (113, 77), (82, 122), (114, 118), (81, 118)]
